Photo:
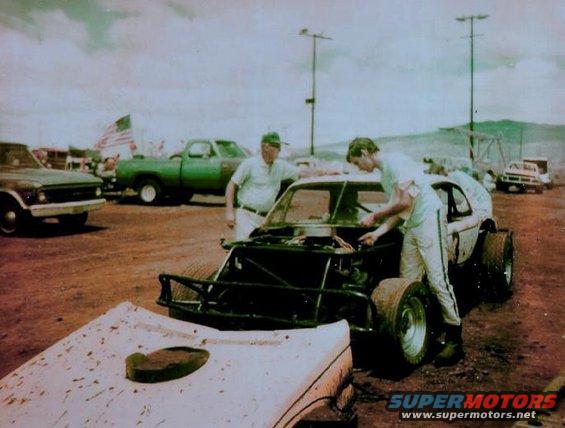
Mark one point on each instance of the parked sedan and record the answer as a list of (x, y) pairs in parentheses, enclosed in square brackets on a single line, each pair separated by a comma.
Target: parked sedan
[(28, 190)]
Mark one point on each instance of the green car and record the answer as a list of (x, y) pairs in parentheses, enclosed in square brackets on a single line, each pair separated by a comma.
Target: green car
[(28, 190), (205, 166)]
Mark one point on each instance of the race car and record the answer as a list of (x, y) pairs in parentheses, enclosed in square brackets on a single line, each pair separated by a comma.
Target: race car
[(304, 267)]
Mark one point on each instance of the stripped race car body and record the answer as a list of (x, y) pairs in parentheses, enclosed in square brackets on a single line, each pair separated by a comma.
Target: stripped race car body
[(304, 267)]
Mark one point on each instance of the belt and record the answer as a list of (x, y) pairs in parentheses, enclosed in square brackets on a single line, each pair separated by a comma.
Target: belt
[(260, 213)]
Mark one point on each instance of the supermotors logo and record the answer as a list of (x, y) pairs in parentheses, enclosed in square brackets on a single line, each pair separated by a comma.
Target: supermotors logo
[(457, 405)]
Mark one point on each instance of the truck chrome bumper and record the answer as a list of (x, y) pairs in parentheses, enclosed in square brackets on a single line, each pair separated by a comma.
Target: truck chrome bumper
[(64, 208), (521, 181)]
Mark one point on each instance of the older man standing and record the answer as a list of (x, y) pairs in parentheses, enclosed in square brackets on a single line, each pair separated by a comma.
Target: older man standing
[(258, 181), (424, 248)]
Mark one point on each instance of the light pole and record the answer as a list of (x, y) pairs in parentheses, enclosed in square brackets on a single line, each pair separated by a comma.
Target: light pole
[(312, 100), (471, 19)]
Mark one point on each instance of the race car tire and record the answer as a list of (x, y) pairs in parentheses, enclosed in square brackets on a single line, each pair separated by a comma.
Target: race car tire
[(196, 270), (402, 318), (148, 191), (497, 260)]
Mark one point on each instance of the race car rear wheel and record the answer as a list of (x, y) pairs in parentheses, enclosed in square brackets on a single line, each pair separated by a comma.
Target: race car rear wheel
[(402, 318), (197, 270), (497, 261)]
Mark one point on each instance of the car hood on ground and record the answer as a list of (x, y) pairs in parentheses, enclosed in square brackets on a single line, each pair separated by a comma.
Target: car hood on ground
[(255, 378), (48, 177)]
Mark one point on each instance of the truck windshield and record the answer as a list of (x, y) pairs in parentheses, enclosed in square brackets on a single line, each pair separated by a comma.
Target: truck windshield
[(229, 149), (542, 164), (13, 156), (342, 204)]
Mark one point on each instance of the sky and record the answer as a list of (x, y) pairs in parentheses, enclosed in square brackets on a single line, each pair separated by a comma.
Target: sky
[(238, 69)]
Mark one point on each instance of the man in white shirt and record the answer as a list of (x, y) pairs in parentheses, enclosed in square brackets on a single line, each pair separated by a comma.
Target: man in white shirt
[(258, 181), (424, 248)]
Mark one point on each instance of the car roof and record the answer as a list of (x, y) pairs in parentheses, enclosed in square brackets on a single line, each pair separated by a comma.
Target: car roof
[(534, 158), (369, 178)]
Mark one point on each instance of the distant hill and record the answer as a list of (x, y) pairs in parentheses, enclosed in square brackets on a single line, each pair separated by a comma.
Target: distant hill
[(538, 140)]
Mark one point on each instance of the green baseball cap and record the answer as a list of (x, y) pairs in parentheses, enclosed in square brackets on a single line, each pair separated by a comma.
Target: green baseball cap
[(273, 139)]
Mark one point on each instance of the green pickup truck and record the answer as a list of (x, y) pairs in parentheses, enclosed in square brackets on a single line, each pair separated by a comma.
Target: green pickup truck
[(205, 166)]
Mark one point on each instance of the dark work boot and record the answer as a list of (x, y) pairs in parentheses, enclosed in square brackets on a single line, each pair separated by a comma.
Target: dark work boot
[(452, 351)]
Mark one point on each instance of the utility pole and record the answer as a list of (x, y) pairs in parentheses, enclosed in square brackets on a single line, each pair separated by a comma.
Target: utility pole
[(521, 141), (312, 100), (471, 19)]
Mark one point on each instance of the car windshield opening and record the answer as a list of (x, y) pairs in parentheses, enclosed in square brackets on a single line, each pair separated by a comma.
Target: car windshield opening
[(339, 204), (17, 157), (229, 149)]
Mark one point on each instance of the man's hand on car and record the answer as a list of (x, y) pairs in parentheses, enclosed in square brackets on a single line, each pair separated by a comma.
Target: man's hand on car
[(369, 238), (369, 220), (230, 220)]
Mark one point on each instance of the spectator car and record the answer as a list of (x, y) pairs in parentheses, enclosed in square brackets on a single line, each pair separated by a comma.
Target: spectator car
[(304, 268), (522, 176), (28, 191)]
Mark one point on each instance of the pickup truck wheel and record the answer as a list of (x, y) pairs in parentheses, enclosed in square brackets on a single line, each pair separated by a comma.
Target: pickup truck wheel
[(183, 196), (196, 270), (402, 318), (11, 217), (149, 191), (74, 221), (502, 187), (187, 195), (497, 260)]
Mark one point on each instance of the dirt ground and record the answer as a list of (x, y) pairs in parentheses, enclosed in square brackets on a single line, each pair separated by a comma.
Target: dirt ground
[(52, 283)]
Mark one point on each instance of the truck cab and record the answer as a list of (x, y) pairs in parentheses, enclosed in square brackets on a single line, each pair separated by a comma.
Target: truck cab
[(543, 167)]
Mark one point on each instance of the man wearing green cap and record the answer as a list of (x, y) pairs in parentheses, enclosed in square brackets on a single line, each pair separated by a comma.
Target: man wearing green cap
[(258, 181), (424, 248)]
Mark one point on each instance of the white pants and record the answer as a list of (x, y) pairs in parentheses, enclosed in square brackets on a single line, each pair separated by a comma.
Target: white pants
[(425, 250), (245, 223)]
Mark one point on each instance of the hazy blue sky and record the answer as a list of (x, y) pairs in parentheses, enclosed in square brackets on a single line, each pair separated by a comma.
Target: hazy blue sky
[(236, 69)]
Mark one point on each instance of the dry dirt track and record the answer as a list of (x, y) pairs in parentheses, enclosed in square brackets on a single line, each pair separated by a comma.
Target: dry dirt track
[(52, 283)]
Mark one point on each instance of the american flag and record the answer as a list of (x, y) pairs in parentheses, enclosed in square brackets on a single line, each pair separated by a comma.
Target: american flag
[(117, 134)]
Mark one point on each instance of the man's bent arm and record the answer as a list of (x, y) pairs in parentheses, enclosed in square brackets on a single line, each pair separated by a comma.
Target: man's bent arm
[(400, 201), (370, 238), (230, 197), (387, 226)]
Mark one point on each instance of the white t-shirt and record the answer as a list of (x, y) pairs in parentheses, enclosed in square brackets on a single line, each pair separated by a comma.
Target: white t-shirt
[(259, 184), (399, 169)]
